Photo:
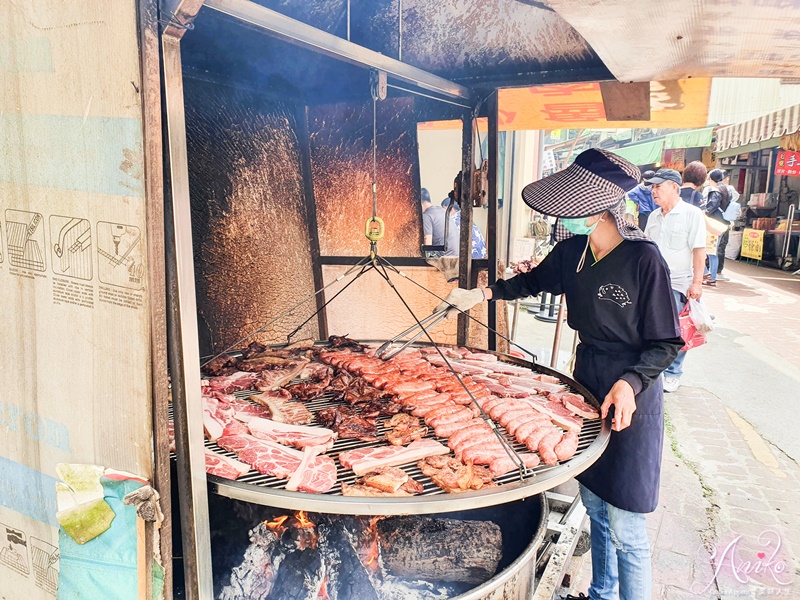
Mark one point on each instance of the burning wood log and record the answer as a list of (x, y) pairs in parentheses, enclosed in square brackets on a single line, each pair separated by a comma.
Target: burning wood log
[(253, 578), (440, 549), (299, 576), (347, 577)]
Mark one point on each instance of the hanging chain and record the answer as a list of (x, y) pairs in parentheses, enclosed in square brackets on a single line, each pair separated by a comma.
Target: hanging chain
[(374, 228)]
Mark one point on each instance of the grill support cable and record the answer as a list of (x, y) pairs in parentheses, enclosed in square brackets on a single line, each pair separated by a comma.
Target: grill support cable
[(512, 454), (438, 297), (364, 269), (288, 311)]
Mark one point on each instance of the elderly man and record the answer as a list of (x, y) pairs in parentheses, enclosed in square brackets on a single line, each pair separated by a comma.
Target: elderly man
[(679, 230)]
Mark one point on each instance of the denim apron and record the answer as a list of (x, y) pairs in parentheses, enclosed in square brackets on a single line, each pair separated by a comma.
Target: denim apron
[(628, 473)]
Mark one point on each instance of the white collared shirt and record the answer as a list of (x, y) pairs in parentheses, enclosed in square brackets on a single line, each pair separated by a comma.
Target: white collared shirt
[(677, 234)]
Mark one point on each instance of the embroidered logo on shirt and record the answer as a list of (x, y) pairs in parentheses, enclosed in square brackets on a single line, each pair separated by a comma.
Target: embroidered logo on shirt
[(614, 293)]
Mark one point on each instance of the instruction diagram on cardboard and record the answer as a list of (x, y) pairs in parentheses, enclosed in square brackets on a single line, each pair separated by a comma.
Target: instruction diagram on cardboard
[(25, 233), (14, 549), (1, 244), (120, 260), (45, 565), (71, 243)]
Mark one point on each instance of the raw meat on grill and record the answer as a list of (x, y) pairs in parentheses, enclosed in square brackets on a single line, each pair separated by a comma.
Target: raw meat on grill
[(222, 466), (454, 476), (171, 434), (271, 380), (316, 474), (235, 382), (547, 447), (283, 411), (363, 460), (299, 436), (216, 415), (568, 446), (556, 411), (503, 464), (470, 430), (481, 356), (348, 423), (268, 458), (532, 441), (576, 405)]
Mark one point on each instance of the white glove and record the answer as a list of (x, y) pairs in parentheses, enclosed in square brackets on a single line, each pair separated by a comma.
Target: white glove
[(461, 299)]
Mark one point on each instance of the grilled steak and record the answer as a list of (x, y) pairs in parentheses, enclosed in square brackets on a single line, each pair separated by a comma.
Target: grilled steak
[(348, 423), (294, 413)]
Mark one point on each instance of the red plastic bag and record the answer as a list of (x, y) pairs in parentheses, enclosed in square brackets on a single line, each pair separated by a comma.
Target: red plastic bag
[(689, 333)]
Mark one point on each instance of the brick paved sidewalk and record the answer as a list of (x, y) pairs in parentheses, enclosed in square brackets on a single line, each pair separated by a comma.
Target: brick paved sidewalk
[(728, 520)]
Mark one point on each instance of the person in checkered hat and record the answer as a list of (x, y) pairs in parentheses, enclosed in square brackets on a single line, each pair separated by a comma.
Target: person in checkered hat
[(619, 300)]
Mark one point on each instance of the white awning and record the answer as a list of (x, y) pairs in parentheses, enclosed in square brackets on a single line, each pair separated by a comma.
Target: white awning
[(655, 41), (760, 129)]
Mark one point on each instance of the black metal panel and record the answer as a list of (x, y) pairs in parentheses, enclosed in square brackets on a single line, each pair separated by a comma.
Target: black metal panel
[(250, 223), (341, 161), (487, 44)]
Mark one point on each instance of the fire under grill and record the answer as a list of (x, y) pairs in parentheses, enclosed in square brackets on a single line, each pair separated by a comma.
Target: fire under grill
[(267, 490)]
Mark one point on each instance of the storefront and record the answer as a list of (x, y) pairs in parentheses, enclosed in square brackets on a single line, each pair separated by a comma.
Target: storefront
[(761, 155)]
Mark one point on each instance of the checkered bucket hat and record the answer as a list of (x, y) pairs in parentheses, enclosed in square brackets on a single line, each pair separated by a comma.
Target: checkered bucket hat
[(596, 182)]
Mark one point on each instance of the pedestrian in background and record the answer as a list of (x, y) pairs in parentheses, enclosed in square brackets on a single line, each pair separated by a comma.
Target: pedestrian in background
[(720, 182), (694, 178), (717, 201), (433, 226), (679, 230), (642, 197)]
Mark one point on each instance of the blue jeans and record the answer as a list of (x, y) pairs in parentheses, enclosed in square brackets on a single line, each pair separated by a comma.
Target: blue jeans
[(713, 265), (676, 368), (620, 551)]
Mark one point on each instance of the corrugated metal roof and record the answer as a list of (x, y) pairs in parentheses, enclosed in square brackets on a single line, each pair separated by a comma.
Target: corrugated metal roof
[(648, 41), (765, 127)]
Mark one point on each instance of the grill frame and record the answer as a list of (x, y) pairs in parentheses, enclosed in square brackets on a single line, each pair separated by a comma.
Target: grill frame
[(258, 489)]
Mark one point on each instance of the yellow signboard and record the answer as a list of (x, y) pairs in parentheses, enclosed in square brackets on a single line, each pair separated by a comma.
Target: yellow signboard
[(753, 243), (673, 105)]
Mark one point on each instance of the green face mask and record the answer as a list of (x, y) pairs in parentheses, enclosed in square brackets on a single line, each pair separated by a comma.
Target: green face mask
[(578, 226)]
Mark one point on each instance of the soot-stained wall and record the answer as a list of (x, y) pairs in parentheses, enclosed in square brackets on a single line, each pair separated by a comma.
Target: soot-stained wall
[(252, 256), (341, 163)]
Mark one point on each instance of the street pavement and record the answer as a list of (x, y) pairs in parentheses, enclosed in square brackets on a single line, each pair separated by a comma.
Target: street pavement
[(728, 520)]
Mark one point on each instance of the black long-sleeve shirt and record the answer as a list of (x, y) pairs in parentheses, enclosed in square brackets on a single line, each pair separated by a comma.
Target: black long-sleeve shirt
[(623, 301)]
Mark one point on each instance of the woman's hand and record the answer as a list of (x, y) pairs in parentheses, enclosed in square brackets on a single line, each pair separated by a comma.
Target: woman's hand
[(623, 399)]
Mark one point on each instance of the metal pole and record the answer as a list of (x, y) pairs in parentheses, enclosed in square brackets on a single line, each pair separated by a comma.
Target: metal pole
[(769, 170), (465, 240), (295, 32), (301, 116), (399, 29), (514, 320), (184, 347), (557, 334), (491, 224)]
